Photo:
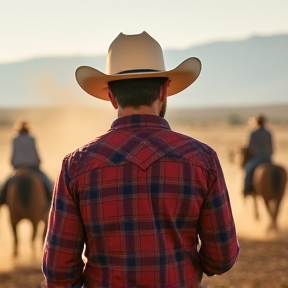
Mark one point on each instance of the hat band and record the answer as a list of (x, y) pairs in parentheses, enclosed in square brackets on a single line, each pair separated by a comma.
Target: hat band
[(137, 71)]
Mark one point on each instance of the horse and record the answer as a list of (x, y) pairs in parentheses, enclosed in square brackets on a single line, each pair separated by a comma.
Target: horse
[(26, 199), (269, 181)]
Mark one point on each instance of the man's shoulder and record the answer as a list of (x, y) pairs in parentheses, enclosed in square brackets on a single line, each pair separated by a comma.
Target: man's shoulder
[(87, 147), (21, 137), (261, 131), (112, 138), (190, 149), (190, 143), (102, 150), (80, 156)]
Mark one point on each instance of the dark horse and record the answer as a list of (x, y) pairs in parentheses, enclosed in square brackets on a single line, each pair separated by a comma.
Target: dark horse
[(269, 181), (26, 198)]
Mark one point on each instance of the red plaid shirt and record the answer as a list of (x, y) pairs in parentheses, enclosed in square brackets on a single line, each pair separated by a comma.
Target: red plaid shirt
[(138, 197)]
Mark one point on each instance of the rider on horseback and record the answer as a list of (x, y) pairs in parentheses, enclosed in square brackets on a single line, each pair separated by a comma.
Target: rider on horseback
[(25, 155), (260, 148)]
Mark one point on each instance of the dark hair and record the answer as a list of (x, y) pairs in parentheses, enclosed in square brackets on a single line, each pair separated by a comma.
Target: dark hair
[(136, 92), (261, 120)]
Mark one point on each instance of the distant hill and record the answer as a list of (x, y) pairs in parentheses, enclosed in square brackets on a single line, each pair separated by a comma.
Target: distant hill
[(248, 72), (276, 114)]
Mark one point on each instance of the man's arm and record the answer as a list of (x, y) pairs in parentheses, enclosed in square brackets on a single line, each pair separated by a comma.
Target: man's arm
[(250, 145), (271, 143), (12, 158), (219, 244), (36, 151), (62, 262)]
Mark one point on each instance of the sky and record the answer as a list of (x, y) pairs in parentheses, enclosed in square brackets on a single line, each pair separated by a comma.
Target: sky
[(39, 28)]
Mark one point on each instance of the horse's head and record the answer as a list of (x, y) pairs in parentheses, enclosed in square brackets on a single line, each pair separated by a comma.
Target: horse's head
[(246, 155), (238, 155)]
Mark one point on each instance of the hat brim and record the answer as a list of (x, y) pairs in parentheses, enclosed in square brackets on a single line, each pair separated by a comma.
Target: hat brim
[(94, 81)]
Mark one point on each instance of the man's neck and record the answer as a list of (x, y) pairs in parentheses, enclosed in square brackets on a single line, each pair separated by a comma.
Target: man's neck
[(139, 110)]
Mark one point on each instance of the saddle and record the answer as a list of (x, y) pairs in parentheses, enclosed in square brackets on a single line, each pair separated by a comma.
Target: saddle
[(23, 171)]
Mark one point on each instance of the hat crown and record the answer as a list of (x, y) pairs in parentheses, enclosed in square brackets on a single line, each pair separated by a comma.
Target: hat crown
[(134, 52)]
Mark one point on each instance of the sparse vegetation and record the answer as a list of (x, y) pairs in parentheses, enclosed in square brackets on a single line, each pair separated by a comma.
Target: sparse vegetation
[(235, 119), (6, 121)]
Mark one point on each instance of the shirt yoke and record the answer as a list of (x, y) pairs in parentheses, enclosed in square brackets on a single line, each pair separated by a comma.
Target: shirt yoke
[(141, 147)]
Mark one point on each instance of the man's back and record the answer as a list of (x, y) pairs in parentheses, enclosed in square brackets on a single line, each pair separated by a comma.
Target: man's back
[(139, 196), (144, 194), (24, 151), (260, 143)]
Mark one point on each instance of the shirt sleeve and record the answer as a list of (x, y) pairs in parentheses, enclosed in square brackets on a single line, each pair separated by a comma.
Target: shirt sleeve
[(13, 153), (271, 143), (250, 144), (62, 262), (36, 151), (219, 244)]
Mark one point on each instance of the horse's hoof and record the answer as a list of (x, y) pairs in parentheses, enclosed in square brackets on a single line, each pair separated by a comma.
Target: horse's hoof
[(272, 228), (275, 227)]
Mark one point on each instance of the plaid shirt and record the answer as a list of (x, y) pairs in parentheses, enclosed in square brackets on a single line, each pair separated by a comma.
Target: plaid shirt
[(139, 197)]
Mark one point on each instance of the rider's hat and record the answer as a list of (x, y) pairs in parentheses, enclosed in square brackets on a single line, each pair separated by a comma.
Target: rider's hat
[(22, 127)]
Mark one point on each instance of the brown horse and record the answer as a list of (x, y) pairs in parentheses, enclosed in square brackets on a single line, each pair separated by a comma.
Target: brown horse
[(269, 181), (26, 199)]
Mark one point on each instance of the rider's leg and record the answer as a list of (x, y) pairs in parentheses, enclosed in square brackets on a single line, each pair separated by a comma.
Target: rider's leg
[(3, 191), (249, 167), (47, 183)]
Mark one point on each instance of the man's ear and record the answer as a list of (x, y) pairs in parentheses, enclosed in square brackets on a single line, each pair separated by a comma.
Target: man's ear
[(164, 91), (112, 99)]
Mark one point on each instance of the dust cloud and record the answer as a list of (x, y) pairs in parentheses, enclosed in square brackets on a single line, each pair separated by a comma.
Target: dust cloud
[(59, 131)]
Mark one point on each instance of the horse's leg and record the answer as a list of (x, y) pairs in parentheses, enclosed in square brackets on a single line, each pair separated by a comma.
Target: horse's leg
[(275, 214), (271, 213), (281, 189), (14, 229), (256, 211), (34, 225)]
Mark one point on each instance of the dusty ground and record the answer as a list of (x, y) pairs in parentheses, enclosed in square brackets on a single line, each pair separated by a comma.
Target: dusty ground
[(261, 264), (263, 260)]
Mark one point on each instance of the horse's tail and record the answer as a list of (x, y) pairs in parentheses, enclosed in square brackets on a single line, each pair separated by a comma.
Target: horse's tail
[(277, 181), (24, 189)]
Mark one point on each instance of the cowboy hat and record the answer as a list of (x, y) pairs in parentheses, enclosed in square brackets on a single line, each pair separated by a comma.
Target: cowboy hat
[(136, 56), (259, 120), (22, 126)]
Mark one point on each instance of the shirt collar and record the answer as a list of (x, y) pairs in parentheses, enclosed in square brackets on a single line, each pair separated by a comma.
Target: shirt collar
[(140, 120)]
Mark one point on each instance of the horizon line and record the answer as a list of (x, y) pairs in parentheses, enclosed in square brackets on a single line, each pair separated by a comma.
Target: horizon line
[(76, 55)]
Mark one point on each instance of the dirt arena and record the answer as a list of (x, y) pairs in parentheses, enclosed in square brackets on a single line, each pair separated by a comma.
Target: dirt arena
[(263, 259)]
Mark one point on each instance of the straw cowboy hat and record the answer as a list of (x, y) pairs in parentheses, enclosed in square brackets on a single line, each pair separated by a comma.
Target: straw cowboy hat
[(136, 56)]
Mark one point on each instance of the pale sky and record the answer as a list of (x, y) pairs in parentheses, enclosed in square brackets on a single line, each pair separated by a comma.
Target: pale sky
[(38, 28)]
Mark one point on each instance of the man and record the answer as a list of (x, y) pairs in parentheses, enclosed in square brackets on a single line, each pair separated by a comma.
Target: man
[(25, 155), (260, 147), (139, 196)]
